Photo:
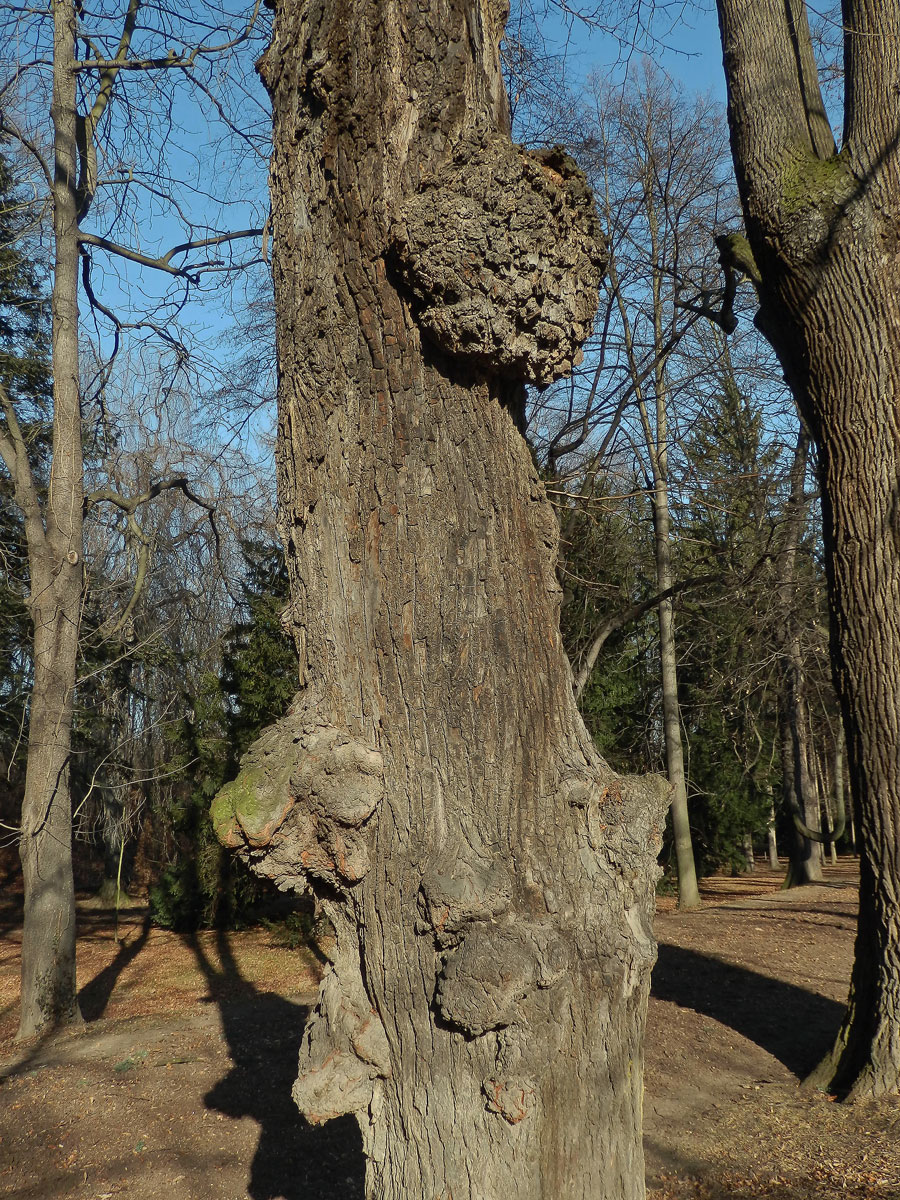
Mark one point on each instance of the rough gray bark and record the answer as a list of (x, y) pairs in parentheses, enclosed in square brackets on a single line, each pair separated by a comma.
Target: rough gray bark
[(490, 880), (55, 549), (822, 226)]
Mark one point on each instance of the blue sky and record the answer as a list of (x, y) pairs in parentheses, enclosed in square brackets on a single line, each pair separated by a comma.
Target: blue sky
[(686, 44)]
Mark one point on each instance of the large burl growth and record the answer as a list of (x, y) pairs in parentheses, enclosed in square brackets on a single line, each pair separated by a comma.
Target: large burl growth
[(490, 880), (502, 253)]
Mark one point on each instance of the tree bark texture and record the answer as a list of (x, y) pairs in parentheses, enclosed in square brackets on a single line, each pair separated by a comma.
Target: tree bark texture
[(823, 228), (490, 880), (55, 550)]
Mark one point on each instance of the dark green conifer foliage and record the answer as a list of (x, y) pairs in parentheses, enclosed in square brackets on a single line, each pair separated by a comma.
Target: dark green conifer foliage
[(608, 566), (259, 667), (204, 884), (25, 375), (727, 702)]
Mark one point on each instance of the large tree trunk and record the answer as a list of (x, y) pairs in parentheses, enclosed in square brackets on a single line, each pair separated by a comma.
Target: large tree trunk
[(55, 550), (490, 880), (823, 229)]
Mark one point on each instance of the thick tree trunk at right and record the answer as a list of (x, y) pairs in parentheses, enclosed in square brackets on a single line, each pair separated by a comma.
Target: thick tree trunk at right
[(823, 228)]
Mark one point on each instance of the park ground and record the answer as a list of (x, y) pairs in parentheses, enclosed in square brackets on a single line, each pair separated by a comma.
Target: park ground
[(178, 1085)]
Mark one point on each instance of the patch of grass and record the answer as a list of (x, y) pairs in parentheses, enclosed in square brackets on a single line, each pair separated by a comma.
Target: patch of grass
[(133, 1060), (292, 931)]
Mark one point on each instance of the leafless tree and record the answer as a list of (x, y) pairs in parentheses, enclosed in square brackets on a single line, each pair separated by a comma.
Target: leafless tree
[(91, 99)]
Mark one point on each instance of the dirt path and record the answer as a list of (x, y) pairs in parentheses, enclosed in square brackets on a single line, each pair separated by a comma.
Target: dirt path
[(747, 996), (180, 1087)]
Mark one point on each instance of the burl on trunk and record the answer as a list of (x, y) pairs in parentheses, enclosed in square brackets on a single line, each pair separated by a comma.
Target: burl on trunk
[(489, 878)]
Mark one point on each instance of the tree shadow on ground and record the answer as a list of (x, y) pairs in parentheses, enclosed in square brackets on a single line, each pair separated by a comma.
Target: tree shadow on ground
[(94, 996), (293, 1160), (793, 1024)]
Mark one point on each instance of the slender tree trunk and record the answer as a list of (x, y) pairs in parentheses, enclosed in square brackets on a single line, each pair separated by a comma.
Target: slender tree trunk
[(827, 811), (657, 440), (48, 945), (772, 839), (688, 891), (815, 799), (829, 827), (840, 799), (490, 880), (822, 228), (804, 866), (748, 852), (805, 856)]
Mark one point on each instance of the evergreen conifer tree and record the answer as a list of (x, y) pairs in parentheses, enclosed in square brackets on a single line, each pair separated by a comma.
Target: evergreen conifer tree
[(25, 376), (204, 884)]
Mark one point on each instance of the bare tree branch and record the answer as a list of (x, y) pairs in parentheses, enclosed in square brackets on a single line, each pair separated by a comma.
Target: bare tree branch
[(129, 505), (633, 613), (14, 452), (8, 125), (164, 261), (172, 59)]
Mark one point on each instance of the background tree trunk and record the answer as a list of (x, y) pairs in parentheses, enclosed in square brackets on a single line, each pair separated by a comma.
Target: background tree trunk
[(688, 891), (55, 558), (657, 440), (772, 839), (489, 878), (804, 864)]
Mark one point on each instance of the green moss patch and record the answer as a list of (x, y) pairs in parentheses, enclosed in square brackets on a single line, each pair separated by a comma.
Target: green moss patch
[(250, 808)]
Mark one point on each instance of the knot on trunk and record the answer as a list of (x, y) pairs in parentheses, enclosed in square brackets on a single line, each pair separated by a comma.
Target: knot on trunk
[(487, 978), (450, 898), (511, 1099), (620, 810), (302, 802), (344, 1050), (502, 254)]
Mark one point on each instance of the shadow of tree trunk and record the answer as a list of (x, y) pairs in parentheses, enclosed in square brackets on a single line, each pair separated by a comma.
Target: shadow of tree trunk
[(793, 1024), (293, 1160), (94, 996)]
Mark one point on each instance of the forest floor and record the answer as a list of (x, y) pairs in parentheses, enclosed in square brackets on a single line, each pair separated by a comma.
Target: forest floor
[(178, 1085)]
